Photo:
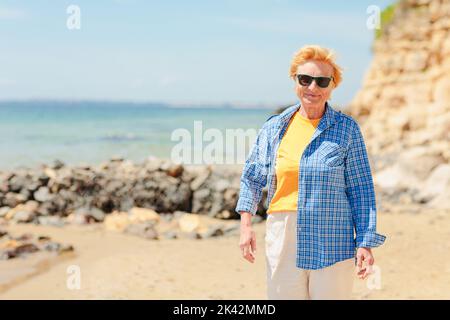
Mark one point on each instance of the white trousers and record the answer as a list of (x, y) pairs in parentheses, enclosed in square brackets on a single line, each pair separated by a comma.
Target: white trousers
[(286, 281)]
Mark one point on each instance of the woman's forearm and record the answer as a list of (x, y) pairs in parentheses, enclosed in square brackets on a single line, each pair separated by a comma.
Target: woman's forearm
[(246, 219)]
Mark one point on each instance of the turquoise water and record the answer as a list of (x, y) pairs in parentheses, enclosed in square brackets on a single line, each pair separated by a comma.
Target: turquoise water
[(33, 133)]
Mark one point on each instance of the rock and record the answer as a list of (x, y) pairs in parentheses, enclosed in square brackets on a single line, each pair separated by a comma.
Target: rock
[(437, 188), (395, 176), (31, 206), (200, 179), (189, 222), (51, 221), (27, 243), (170, 234), (438, 181), (14, 199), (144, 229), (116, 159), (90, 214), (57, 164), (143, 214), (231, 228), (51, 246), (78, 219), (57, 247), (23, 212), (189, 235), (404, 104), (221, 185), (46, 209), (3, 233), (4, 211), (25, 249), (154, 186), (25, 237), (7, 254), (175, 170), (213, 231), (43, 195), (23, 216), (66, 248), (117, 221)]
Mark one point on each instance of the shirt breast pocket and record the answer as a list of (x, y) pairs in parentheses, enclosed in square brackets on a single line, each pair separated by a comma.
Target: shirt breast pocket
[(332, 155)]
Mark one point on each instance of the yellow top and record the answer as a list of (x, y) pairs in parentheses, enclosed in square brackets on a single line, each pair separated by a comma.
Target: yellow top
[(297, 136)]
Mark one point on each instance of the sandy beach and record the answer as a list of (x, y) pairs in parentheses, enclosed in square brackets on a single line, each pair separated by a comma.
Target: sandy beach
[(414, 264)]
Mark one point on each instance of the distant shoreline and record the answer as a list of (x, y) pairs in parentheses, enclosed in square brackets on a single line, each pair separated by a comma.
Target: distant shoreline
[(145, 104)]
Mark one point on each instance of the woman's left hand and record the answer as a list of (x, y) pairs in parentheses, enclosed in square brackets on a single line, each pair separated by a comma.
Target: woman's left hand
[(364, 255)]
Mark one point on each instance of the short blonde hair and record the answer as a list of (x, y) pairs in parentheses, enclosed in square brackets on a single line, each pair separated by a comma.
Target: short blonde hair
[(315, 52)]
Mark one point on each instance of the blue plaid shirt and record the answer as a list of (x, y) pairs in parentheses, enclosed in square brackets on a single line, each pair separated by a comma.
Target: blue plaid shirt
[(336, 207)]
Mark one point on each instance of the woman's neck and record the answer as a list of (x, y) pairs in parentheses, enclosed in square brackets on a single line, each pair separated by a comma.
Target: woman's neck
[(312, 112)]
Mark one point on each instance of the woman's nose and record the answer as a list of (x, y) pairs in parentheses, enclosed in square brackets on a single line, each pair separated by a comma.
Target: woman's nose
[(312, 85)]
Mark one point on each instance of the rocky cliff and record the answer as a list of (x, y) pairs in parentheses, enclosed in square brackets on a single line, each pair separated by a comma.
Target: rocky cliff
[(404, 103)]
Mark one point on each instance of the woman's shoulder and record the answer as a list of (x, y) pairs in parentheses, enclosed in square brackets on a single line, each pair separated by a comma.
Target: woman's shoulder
[(347, 122)]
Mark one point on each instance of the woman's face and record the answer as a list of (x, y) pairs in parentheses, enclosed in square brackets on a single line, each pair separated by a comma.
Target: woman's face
[(313, 96)]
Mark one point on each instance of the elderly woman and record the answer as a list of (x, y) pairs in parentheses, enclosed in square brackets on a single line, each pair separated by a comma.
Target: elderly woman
[(320, 190)]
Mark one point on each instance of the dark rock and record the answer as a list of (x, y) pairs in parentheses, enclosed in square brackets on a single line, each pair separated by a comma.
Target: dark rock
[(57, 164), (46, 208), (26, 248), (7, 254), (175, 170), (66, 248)]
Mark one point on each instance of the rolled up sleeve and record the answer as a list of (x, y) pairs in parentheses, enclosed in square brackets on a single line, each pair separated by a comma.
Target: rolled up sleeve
[(360, 192), (254, 174)]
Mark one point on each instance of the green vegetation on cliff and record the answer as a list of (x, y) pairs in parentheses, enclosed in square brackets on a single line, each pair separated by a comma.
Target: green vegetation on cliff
[(386, 17)]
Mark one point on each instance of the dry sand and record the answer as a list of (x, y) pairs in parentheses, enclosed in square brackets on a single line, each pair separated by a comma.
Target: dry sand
[(414, 264)]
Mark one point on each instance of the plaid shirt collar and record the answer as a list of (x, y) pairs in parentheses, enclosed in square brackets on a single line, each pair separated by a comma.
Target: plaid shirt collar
[(329, 118)]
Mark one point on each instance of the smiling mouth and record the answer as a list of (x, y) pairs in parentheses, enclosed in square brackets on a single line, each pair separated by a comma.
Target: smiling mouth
[(308, 95)]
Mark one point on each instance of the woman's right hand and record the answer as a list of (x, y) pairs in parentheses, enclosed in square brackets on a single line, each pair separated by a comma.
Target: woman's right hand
[(247, 242)]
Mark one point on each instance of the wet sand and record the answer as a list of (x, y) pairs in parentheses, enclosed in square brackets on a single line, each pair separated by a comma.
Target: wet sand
[(414, 264)]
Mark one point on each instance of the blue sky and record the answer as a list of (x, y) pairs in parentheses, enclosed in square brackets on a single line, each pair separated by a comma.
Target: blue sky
[(231, 51)]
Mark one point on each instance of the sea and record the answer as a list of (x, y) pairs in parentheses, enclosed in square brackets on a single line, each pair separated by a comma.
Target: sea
[(33, 133)]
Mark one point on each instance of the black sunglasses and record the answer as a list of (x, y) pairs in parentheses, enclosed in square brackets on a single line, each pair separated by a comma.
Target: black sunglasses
[(306, 80)]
